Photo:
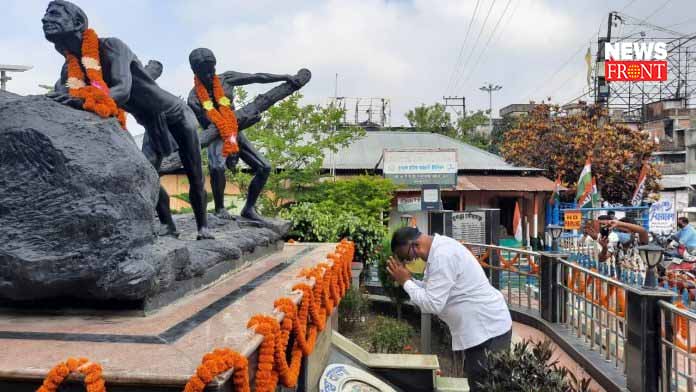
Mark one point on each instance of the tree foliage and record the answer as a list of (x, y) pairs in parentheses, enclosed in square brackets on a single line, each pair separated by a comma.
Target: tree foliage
[(294, 139), (350, 208), (432, 118), (435, 118), (560, 143)]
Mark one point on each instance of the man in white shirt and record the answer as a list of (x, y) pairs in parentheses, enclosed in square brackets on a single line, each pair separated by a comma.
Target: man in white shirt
[(456, 289)]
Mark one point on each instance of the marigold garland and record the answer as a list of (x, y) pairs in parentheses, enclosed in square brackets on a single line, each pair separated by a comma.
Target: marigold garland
[(220, 361), (95, 94), (94, 382), (273, 366), (223, 117)]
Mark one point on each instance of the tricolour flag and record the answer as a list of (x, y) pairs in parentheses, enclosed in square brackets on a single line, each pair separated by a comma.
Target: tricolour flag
[(640, 188), (595, 194), (583, 195), (556, 196), (517, 222)]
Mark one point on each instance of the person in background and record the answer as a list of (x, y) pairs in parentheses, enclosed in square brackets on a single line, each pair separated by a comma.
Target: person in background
[(686, 234), (456, 289), (616, 238)]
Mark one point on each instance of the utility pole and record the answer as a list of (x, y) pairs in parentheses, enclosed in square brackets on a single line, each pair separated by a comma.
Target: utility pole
[(490, 89), (456, 104)]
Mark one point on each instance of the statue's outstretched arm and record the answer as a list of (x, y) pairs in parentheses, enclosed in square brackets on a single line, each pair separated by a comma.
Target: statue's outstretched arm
[(232, 78)]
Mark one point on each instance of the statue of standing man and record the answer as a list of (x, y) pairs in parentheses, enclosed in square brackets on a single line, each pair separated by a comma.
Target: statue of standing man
[(212, 100), (104, 76)]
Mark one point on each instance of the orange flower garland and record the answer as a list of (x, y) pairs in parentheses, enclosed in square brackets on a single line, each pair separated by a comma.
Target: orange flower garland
[(95, 94), (223, 117), (306, 335), (272, 363), (94, 382), (220, 361), (289, 373), (266, 373)]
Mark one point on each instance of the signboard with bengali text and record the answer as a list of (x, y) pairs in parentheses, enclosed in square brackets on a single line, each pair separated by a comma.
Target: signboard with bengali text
[(419, 167)]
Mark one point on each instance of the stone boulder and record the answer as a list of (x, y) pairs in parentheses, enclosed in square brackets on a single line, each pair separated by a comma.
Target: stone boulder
[(76, 196), (77, 216)]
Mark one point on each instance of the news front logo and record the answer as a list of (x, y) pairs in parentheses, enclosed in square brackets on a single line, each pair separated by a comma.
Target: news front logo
[(635, 62)]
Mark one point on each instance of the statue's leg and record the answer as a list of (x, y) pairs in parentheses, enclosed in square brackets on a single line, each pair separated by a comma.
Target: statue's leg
[(185, 133), (216, 165), (164, 213), (261, 169)]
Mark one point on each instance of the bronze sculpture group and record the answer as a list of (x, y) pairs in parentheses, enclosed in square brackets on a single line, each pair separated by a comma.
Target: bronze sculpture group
[(104, 76)]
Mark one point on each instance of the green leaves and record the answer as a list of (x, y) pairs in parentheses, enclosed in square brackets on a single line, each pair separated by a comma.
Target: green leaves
[(561, 142), (528, 367), (294, 139), (390, 335)]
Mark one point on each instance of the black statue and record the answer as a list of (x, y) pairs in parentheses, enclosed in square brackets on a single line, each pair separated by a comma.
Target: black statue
[(134, 90), (203, 63)]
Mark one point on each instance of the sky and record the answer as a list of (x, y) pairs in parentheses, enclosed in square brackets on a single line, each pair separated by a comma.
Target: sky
[(413, 52)]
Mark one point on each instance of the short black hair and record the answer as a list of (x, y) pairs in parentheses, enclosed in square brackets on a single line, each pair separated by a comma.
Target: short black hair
[(604, 217), (683, 220), (403, 236), (200, 54)]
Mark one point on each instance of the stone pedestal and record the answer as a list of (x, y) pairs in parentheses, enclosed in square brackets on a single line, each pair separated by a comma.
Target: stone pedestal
[(160, 351)]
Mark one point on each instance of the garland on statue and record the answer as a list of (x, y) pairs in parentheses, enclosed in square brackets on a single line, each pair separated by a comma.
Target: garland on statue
[(91, 88), (223, 117)]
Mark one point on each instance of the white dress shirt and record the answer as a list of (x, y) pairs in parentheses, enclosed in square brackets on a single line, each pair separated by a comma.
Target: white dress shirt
[(456, 289)]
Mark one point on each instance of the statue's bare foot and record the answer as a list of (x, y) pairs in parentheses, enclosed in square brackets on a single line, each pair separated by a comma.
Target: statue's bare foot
[(169, 231), (223, 214), (204, 234), (251, 214)]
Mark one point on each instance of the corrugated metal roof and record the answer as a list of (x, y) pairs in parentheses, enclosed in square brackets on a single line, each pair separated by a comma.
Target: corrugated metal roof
[(366, 152), (504, 183)]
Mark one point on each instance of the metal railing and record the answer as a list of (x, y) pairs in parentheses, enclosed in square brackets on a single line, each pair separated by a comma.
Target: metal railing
[(677, 347), (515, 272), (593, 306)]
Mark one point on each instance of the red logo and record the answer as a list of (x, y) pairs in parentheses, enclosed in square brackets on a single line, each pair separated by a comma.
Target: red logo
[(635, 71)]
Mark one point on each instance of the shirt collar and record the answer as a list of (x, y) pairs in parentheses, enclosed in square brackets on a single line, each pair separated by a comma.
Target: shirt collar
[(436, 238)]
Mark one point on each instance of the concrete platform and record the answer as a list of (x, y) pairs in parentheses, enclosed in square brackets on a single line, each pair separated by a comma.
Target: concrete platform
[(160, 351)]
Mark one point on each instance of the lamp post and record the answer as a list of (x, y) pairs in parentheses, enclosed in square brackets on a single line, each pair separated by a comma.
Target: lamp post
[(652, 256), (555, 231), (490, 89)]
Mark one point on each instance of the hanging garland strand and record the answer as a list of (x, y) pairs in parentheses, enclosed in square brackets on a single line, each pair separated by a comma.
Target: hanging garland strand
[(333, 281)]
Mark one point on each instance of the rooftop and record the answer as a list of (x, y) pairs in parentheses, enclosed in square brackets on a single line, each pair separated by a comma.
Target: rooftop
[(366, 152)]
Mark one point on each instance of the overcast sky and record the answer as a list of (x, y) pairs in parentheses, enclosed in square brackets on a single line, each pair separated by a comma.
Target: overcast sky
[(405, 50)]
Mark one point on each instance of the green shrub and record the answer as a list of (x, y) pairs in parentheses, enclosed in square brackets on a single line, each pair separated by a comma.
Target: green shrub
[(320, 222), (391, 288), (390, 335), (352, 309), (528, 367)]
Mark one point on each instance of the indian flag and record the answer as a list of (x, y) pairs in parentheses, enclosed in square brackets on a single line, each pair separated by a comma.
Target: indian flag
[(595, 194), (583, 195), (640, 188), (556, 196), (517, 222)]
